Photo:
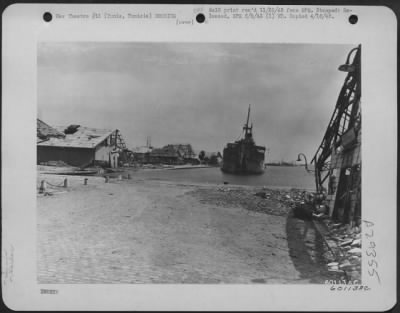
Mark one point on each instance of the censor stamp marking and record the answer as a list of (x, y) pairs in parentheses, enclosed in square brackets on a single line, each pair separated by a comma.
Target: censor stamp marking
[(49, 291)]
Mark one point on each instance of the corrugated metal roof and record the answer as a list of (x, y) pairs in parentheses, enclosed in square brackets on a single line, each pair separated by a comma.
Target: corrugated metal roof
[(84, 137)]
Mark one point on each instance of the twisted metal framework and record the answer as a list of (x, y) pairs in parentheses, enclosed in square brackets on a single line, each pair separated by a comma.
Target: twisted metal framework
[(117, 141), (344, 117)]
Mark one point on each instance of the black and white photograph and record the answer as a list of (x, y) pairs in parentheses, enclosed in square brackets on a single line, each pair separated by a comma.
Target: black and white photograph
[(198, 163), (199, 157)]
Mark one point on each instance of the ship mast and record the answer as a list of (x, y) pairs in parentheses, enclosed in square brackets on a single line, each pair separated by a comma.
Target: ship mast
[(247, 129)]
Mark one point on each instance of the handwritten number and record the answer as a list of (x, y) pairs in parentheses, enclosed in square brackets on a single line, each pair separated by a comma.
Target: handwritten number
[(369, 254), (374, 273), (370, 236), (370, 262)]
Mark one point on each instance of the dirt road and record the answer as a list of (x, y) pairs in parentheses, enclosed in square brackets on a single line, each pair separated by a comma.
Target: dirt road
[(155, 232)]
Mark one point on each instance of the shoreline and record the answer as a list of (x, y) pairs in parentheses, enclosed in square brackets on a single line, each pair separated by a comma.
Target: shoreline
[(113, 180), (237, 186), (128, 174)]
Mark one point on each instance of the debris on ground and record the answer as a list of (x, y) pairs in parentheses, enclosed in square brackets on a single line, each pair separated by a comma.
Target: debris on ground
[(348, 254), (343, 240), (57, 163), (266, 201)]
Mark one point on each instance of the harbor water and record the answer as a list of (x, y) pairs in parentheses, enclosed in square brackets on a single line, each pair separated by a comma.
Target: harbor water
[(273, 177)]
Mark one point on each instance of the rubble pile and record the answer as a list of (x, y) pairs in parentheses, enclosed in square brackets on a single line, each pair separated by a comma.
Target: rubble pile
[(289, 198), (346, 243), (274, 202)]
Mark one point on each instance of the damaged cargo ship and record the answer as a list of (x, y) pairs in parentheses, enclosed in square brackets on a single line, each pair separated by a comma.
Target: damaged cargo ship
[(244, 156)]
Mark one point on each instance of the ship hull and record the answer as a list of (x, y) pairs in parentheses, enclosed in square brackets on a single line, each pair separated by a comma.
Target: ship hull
[(243, 159), (254, 168)]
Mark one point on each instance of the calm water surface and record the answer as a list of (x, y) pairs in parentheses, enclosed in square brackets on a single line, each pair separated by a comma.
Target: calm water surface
[(274, 176)]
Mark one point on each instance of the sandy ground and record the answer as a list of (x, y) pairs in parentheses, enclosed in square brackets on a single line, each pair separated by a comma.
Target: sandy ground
[(156, 232)]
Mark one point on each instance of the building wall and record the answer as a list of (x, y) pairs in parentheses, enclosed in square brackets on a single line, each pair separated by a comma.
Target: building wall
[(346, 159), (103, 153), (349, 157), (71, 156), (345, 204)]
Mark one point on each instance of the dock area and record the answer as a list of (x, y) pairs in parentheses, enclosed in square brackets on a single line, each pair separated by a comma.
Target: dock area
[(136, 231)]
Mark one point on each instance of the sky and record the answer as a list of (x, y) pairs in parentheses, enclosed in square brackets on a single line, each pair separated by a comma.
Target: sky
[(195, 93)]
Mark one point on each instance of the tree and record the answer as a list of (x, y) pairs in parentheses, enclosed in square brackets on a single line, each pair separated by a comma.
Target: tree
[(202, 154)]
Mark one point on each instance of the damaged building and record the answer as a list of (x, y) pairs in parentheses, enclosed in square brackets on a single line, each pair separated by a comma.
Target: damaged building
[(338, 158), (79, 146), (142, 154), (173, 154), (44, 132)]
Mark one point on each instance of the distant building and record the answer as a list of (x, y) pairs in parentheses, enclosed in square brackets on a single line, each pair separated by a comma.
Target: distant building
[(185, 151), (165, 155), (209, 158), (213, 158), (79, 146), (142, 154), (173, 154)]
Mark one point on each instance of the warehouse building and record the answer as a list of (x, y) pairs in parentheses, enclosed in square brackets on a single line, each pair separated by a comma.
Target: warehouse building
[(80, 146)]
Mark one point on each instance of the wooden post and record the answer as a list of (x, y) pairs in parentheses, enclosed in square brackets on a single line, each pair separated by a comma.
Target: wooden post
[(85, 181), (43, 186), (106, 179), (65, 182)]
